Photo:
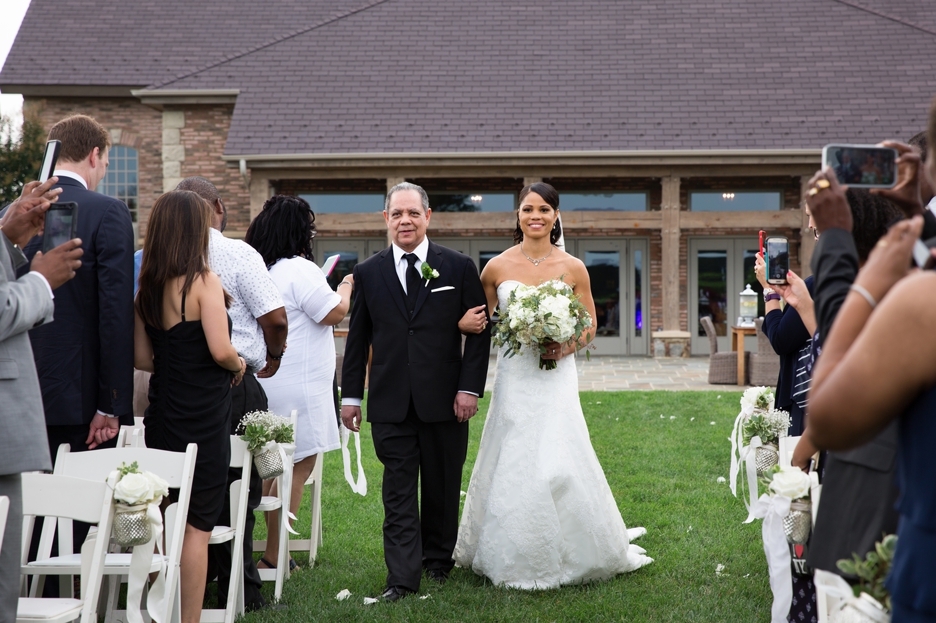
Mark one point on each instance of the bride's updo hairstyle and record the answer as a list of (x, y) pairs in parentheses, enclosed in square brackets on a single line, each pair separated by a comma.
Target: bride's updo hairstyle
[(550, 196)]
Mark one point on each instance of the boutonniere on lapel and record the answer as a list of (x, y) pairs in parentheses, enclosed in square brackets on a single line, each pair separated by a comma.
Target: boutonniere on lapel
[(428, 272)]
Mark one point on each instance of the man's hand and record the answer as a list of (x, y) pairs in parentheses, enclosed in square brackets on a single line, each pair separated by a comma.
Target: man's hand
[(59, 264), (827, 202), (474, 320), (466, 405), (906, 194), (26, 216), (351, 417), (103, 429)]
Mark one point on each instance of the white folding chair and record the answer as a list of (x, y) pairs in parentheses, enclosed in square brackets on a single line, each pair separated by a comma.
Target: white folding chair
[(131, 436), (787, 446), (311, 544), (4, 511), (815, 493), (176, 468), (279, 502), (240, 458), (53, 496)]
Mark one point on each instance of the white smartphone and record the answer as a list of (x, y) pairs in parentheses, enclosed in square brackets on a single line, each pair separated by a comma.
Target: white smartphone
[(921, 253), (862, 166), (49, 159), (330, 264)]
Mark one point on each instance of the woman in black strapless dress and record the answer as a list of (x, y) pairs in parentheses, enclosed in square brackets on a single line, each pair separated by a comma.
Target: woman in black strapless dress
[(182, 336)]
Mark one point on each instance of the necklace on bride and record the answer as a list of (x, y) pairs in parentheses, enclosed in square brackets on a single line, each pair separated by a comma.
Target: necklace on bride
[(536, 262)]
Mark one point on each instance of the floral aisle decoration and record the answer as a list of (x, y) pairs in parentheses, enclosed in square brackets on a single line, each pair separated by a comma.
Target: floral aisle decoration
[(869, 601), (787, 519), (264, 431), (768, 427), (535, 315), (754, 401), (138, 522)]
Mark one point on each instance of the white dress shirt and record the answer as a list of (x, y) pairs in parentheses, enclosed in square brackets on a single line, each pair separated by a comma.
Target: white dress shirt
[(401, 264), (246, 278), (60, 173)]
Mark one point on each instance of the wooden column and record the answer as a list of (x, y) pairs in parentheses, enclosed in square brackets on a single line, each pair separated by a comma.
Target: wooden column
[(670, 268), (807, 238)]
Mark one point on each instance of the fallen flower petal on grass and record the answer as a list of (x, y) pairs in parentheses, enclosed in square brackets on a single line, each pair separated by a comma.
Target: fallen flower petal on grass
[(370, 600), (344, 594), (720, 479)]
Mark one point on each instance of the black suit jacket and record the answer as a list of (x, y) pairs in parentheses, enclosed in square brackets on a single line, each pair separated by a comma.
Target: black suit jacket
[(859, 490), (85, 358), (419, 357)]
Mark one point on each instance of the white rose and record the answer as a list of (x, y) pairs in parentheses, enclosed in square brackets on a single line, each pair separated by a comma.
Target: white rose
[(791, 482), (134, 489), (160, 486)]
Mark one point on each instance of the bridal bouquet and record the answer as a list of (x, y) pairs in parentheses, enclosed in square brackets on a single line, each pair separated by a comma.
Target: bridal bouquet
[(264, 431), (535, 315)]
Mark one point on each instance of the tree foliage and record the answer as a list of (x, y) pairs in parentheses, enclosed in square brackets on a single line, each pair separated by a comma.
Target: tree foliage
[(19, 160)]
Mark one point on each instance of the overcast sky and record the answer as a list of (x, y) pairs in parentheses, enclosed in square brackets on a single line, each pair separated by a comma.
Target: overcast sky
[(13, 12)]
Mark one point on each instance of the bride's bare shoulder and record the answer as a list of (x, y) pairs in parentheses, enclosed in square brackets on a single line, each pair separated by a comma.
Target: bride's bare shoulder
[(498, 266)]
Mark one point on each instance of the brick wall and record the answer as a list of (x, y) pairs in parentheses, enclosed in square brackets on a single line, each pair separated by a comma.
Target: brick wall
[(139, 126), (204, 135), (298, 187)]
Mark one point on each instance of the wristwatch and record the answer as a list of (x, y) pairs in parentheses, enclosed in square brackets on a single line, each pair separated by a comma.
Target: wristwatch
[(770, 295)]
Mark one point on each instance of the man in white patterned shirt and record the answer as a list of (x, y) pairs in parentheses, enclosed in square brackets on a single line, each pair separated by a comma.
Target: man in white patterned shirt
[(258, 320)]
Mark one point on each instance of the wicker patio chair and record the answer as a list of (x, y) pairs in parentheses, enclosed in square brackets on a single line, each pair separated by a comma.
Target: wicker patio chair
[(765, 363), (723, 367)]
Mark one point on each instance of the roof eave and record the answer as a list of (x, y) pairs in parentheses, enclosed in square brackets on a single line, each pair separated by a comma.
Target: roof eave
[(68, 90), (158, 98), (706, 157)]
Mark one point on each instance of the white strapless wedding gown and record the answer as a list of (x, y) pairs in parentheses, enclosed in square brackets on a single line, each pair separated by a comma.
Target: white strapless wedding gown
[(539, 511)]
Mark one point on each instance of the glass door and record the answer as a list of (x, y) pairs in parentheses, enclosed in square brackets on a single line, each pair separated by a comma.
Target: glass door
[(720, 268), (616, 269)]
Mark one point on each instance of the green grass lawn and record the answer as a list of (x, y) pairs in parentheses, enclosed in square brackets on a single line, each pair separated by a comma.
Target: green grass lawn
[(663, 472)]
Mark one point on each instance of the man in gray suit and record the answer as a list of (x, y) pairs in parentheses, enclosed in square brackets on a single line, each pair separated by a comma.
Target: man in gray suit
[(24, 303)]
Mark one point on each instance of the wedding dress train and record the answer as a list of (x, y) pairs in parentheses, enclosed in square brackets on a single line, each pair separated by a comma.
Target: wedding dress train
[(539, 512)]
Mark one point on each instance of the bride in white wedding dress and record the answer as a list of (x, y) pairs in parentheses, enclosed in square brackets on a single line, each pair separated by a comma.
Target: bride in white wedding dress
[(539, 512)]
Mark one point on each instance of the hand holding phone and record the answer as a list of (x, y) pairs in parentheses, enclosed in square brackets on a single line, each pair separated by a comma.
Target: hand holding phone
[(61, 225), (761, 235), (777, 259)]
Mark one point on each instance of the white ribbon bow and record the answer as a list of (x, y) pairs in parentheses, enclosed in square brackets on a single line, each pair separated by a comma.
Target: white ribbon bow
[(772, 509), (359, 487), (736, 447)]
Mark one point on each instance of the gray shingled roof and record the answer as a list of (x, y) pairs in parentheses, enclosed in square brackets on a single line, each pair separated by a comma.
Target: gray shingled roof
[(545, 75)]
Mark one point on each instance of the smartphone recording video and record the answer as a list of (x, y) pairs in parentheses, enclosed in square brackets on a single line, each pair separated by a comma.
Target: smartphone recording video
[(61, 225), (862, 166), (777, 259), (49, 159)]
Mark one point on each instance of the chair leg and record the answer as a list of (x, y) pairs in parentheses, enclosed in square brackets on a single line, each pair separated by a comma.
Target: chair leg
[(315, 536)]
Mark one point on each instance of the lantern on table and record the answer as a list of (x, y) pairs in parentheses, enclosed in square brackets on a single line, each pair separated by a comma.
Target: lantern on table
[(748, 307)]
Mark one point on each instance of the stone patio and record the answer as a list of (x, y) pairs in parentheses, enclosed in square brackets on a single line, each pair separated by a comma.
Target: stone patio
[(609, 373)]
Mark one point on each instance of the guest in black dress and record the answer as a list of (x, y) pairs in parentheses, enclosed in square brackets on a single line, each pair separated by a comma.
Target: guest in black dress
[(182, 336)]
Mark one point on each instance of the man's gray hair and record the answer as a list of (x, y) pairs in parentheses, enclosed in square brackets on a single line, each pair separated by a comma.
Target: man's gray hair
[(408, 186)]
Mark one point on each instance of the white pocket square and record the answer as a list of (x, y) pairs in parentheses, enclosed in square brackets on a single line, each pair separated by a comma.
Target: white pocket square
[(442, 289)]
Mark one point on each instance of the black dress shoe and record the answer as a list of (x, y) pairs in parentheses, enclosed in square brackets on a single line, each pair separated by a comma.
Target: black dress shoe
[(437, 575), (395, 593)]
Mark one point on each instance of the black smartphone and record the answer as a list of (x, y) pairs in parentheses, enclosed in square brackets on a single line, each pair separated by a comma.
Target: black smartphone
[(777, 259), (49, 159), (862, 166), (61, 225)]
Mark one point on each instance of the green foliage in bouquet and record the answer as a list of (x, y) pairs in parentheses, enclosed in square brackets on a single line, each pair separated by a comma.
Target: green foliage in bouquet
[(534, 315), (258, 428), (768, 425), (124, 469), (873, 570)]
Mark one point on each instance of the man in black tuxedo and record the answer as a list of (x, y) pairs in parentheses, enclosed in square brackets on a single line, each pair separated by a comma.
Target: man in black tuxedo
[(85, 358), (408, 300)]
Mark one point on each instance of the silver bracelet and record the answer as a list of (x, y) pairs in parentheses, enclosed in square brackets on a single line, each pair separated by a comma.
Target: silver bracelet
[(867, 295), (343, 282)]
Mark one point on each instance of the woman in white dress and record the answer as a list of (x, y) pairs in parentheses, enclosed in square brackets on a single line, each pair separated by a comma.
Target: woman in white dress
[(282, 233), (539, 512)]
